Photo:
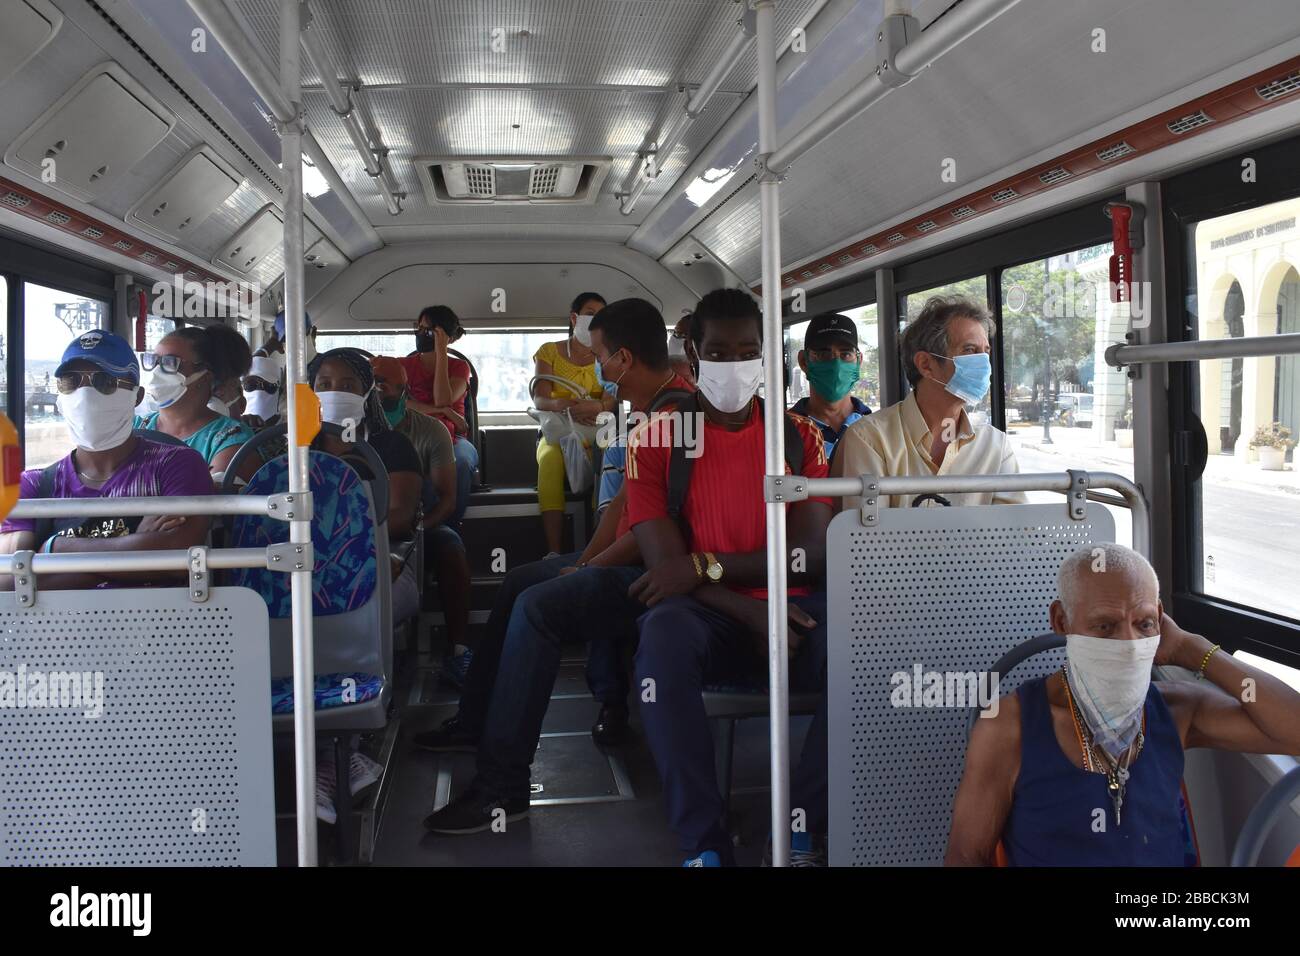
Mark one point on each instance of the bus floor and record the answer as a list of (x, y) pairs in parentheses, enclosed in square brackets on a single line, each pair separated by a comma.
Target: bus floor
[(591, 806)]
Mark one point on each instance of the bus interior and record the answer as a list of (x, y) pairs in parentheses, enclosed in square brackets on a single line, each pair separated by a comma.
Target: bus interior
[(1114, 184)]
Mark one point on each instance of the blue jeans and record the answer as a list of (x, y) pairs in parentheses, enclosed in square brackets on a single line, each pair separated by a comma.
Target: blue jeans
[(685, 646), (466, 463), (590, 605)]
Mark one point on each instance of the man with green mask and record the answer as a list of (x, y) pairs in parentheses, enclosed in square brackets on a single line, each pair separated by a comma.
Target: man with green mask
[(443, 546), (831, 361)]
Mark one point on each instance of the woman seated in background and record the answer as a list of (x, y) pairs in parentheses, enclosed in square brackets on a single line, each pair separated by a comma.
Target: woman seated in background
[(184, 370), (572, 359), (345, 384), (227, 394)]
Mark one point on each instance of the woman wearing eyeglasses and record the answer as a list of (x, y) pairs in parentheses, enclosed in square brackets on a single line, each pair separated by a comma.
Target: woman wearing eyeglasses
[(183, 372)]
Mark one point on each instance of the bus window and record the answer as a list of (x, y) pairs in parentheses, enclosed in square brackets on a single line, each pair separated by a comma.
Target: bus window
[(51, 319), (1247, 283), (975, 289), (1065, 407), (156, 329), (868, 387)]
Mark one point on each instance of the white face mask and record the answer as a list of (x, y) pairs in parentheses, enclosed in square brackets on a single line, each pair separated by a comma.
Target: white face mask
[(261, 404), (676, 348), (582, 330), (729, 385), (1109, 680), (342, 408), (218, 406), (167, 388), (98, 422)]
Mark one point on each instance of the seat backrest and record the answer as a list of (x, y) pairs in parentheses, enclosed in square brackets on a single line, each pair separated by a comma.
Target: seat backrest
[(926, 591), (351, 582), (177, 769), (151, 434)]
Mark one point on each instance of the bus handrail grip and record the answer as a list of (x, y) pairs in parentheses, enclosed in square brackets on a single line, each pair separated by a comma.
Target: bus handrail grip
[(1121, 355), (93, 562)]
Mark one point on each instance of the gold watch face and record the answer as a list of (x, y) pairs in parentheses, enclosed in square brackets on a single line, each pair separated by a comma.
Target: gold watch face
[(715, 572)]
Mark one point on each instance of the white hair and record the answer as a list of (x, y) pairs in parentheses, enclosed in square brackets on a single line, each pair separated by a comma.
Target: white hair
[(1101, 558)]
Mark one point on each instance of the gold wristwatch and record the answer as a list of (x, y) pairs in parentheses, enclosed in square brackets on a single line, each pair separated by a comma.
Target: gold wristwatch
[(713, 568)]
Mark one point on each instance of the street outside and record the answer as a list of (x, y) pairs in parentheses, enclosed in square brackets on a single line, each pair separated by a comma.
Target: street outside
[(1251, 516)]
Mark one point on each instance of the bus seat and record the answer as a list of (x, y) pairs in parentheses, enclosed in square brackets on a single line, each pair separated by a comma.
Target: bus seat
[(471, 418), (352, 624), (1263, 817), (948, 590), (162, 438), (114, 790), (724, 705)]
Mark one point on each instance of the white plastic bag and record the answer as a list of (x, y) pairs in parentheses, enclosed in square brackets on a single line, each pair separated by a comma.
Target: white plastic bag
[(577, 463)]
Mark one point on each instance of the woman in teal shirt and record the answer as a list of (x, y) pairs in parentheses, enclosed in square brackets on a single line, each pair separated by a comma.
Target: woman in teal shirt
[(184, 370)]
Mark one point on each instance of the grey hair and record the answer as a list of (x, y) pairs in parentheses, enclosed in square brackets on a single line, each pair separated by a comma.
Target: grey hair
[(1101, 558), (928, 332)]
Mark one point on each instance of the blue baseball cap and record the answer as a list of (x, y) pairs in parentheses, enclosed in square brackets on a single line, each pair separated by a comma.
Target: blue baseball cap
[(279, 323), (110, 352)]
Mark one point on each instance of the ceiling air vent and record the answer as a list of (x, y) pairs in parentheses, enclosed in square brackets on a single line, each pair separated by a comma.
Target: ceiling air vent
[(928, 226), (1115, 151), (1188, 123), (1054, 175), (868, 249), (1279, 88), (93, 232), (1005, 195), (896, 237), (512, 179), (17, 200), (58, 218), (962, 212)]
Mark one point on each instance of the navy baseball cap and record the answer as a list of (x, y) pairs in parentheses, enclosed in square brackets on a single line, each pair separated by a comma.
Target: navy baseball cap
[(822, 327), (279, 323), (110, 352)]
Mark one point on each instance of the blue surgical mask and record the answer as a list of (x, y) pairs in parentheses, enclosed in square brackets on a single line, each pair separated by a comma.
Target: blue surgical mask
[(971, 377), (611, 388)]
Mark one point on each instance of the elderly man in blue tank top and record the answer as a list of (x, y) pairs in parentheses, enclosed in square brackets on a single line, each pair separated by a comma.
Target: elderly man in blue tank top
[(1083, 768)]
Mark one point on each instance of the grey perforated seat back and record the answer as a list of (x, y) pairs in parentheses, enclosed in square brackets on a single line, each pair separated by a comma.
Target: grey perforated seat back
[(176, 770), (948, 590)]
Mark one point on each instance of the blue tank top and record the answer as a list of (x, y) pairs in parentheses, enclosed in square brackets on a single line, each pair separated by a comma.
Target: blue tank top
[(1054, 819)]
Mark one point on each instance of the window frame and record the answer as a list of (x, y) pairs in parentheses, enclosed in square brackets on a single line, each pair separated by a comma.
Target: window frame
[(1209, 191), (40, 263)]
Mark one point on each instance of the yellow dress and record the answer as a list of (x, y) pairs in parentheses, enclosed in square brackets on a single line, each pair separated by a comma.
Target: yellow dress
[(550, 460)]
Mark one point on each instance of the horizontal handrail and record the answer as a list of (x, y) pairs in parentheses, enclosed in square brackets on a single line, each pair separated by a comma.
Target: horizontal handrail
[(97, 562), (281, 506), (873, 486), (1257, 346)]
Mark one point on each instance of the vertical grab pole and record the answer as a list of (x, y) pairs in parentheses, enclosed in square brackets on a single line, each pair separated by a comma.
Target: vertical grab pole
[(304, 715), (774, 433)]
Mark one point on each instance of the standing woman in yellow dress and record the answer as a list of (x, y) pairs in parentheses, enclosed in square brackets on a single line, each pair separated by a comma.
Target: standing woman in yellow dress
[(572, 359)]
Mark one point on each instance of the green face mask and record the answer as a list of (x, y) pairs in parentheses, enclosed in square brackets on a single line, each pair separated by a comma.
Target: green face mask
[(833, 379), (397, 412)]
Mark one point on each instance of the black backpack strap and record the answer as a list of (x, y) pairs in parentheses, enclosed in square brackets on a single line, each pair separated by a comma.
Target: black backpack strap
[(44, 527), (679, 464), (793, 446)]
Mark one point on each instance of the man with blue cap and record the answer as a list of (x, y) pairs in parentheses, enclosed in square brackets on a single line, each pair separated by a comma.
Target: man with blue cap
[(98, 383), (276, 347)]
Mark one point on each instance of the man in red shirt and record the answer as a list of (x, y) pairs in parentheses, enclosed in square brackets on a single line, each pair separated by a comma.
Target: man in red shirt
[(570, 597), (705, 587), (438, 385)]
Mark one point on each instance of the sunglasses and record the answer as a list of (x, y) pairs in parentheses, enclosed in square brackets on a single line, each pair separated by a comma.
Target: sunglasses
[(105, 383), (254, 384)]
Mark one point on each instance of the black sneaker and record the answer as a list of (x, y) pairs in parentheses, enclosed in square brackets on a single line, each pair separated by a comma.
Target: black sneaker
[(474, 811), (610, 728), (451, 736)]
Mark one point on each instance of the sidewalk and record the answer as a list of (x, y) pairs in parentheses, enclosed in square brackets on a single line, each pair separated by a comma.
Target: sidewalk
[(1076, 448)]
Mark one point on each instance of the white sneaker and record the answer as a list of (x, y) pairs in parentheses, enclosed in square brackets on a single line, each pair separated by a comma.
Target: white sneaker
[(325, 811), (362, 772)]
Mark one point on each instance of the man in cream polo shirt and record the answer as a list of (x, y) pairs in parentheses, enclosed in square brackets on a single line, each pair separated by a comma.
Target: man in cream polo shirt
[(945, 353)]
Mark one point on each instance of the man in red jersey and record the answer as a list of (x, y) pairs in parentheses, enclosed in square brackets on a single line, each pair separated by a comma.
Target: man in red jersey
[(704, 541)]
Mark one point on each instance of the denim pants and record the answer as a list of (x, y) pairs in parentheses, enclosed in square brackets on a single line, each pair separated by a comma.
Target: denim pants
[(466, 462)]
